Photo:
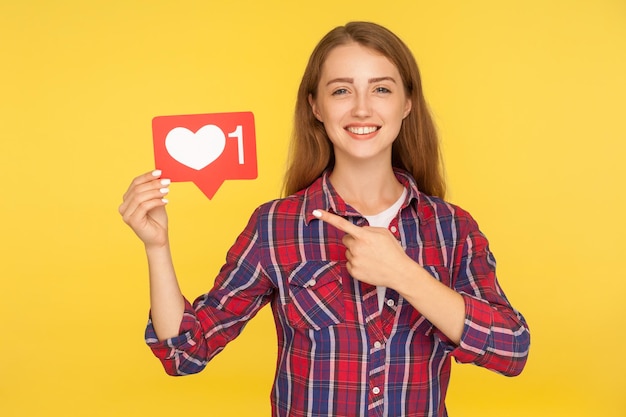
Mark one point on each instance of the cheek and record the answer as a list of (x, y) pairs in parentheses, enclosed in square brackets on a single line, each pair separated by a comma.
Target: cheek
[(334, 131), (399, 113), (332, 116)]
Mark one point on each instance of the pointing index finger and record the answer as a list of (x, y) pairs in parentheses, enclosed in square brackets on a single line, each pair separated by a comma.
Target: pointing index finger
[(338, 222)]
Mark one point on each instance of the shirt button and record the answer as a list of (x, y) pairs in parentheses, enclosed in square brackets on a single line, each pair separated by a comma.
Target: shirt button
[(393, 229), (376, 390), (311, 283), (377, 344), (390, 303)]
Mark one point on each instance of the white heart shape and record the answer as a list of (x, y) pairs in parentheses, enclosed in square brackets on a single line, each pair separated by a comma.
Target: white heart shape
[(195, 150)]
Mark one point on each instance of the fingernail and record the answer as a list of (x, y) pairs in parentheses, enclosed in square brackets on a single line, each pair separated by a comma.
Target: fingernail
[(165, 200), (317, 213), (165, 182), (164, 190), (156, 173)]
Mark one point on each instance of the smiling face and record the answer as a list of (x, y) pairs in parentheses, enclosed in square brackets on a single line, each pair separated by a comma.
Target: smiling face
[(361, 101)]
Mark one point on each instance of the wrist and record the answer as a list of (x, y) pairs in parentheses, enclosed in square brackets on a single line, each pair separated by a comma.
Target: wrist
[(407, 277), (157, 249)]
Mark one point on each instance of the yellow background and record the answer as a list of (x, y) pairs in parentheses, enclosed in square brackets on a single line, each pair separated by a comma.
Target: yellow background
[(530, 101)]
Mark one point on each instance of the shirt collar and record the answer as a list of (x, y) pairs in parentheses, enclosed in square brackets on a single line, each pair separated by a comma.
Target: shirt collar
[(322, 195)]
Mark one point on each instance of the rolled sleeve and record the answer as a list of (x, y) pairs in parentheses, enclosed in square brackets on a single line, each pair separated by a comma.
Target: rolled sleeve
[(217, 317), (169, 351), (495, 335), (476, 331)]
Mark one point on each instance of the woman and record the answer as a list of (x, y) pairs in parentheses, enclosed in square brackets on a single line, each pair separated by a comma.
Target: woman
[(375, 282)]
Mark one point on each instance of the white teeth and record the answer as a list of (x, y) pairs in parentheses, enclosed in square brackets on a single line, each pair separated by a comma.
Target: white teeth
[(362, 130)]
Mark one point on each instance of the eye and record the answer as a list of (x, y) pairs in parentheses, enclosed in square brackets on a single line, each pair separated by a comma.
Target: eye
[(340, 91), (383, 90)]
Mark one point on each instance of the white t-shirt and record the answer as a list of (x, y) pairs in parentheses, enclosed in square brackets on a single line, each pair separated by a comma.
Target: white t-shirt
[(383, 219)]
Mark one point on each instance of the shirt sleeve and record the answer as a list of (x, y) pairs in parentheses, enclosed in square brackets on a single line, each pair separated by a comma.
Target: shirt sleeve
[(217, 317), (495, 335)]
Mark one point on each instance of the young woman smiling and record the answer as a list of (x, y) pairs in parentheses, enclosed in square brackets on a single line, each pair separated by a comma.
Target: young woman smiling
[(375, 281)]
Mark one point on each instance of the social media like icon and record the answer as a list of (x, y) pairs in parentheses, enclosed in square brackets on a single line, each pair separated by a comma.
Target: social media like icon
[(206, 149)]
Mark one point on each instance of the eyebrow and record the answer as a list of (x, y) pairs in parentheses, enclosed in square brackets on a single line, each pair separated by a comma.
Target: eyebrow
[(370, 81)]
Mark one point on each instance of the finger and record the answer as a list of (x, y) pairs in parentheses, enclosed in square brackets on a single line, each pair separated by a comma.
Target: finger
[(157, 184), (338, 222), (139, 217), (137, 200), (143, 179), (142, 184), (348, 240)]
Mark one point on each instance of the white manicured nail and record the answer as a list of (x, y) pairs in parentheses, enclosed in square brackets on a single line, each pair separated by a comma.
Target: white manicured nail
[(156, 173), (165, 200), (165, 182), (317, 213), (164, 190)]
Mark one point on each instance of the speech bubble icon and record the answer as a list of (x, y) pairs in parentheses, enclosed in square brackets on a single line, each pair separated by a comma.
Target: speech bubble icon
[(206, 149)]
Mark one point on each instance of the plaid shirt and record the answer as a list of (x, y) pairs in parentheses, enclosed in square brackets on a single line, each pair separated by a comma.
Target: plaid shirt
[(338, 354)]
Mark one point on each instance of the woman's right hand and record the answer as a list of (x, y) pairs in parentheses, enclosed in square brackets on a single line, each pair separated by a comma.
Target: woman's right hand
[(143, 208)]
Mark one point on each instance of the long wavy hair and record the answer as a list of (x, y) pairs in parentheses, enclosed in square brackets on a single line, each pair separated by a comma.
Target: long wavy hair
[(416, 149)]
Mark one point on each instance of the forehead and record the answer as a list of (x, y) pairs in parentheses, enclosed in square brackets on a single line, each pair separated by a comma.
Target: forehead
[(353, 59)]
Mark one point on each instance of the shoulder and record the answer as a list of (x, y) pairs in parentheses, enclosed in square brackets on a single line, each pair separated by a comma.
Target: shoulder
[(290, 205), (443, 213), (430, 206)]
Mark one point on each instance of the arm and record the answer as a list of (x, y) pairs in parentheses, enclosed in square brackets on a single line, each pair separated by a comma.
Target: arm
[(217, 317), (495, 335), (473, 317), (143, 209), (441, 305), (184, 336)]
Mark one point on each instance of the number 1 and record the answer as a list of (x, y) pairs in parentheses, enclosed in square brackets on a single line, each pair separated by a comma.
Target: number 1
[(238, 133)]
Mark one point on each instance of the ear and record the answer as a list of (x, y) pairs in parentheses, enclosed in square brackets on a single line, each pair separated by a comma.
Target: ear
[(407, 108), (314, 108)]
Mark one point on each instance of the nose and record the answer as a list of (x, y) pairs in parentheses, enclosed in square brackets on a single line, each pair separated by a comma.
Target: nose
[(362, 106)]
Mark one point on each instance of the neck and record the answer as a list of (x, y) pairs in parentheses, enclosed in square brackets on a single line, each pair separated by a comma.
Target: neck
[(369, 189)]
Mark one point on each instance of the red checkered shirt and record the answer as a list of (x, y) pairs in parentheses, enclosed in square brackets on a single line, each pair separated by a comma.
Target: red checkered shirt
[(338, 354)]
